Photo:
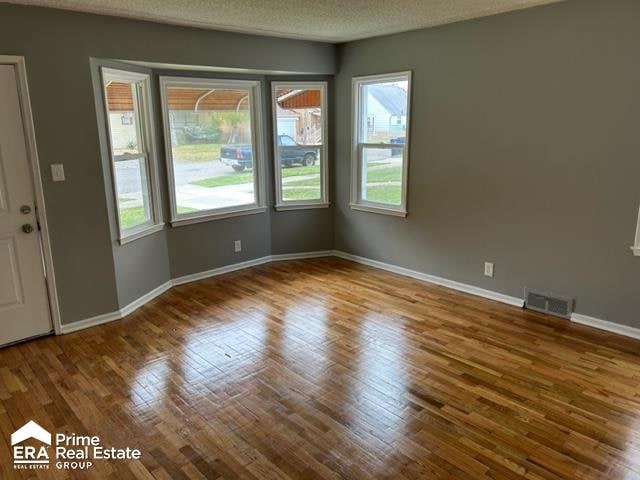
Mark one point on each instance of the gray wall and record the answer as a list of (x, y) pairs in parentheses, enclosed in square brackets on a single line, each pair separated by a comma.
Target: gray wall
[(94, 274), (524, 152)]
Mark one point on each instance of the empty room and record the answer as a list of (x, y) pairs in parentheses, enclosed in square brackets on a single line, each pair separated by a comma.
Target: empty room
[(320, 239)]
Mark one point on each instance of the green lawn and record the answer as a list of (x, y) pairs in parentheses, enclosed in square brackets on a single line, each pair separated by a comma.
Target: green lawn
[(379, 175), (307, 182), (385, 194), (390, 194), (387, 174), (196, 152), (301, 193), (182, 209), (238, 178), (133, 216), (299, 171)]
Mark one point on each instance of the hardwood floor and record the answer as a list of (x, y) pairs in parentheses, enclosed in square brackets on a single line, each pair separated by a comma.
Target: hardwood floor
[(328, 369)]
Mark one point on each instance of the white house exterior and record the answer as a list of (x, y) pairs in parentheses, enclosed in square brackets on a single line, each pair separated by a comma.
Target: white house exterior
[(385, 111)]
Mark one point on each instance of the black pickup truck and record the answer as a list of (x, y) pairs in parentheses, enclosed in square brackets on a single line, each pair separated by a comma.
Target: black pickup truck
[(240, 157)]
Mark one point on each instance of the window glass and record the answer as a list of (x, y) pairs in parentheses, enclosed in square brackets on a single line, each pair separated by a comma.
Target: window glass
[(287, 141), (382, 175), (299, 127), (212, 150), (384, 111), (132, 186), (381, 132), (126, 118)]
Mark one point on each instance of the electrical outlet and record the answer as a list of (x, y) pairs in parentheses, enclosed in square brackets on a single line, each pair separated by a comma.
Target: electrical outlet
[(488, 269), (57, 172), (237, 246)]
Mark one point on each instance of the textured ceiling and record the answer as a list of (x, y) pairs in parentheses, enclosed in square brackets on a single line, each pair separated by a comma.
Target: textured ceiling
[(326, 20)]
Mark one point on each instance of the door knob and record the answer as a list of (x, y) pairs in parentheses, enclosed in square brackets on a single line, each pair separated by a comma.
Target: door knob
[(27, 228), (25, 209)]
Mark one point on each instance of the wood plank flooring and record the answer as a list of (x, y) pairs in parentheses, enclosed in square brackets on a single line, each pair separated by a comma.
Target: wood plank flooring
[(325, 369)]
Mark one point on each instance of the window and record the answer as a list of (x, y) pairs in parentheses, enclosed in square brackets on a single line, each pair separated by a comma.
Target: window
[(636, 247), (299, 119), (131, 142), (380, 143), (214, 148)]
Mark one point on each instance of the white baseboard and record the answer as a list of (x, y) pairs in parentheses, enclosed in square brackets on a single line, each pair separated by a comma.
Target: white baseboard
[(300, 256), (618, 328), (462, 287), (194, 277), (147, 297), (90, 322), (118, 314), (249, 263)]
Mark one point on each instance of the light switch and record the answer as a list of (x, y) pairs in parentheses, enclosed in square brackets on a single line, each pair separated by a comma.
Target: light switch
[(488, 269), (57, 172)]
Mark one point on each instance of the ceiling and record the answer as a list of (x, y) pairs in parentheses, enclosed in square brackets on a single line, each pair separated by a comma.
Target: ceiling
[(325, 20)]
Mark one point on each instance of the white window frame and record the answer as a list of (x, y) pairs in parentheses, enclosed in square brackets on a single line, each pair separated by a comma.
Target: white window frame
[(636, 246), (145, 126), (323, 202), (257, 140), (357, 146)]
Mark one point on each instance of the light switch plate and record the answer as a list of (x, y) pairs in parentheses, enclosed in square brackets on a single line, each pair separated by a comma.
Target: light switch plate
[(57, 172), (488, 269)]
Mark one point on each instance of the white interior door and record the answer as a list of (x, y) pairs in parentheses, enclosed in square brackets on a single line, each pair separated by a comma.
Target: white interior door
[(24, 309)]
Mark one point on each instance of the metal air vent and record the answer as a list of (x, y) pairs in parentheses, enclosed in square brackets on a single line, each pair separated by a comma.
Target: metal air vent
[(548, 303)]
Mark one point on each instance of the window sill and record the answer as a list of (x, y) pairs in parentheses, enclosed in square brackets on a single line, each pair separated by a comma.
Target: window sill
[(636, 251), (207, 217), (142, 233), (376, 209), (300, 206)]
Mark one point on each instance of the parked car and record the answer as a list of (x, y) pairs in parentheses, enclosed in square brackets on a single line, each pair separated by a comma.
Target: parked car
[(240, 157), (397, 141), (237, 157)]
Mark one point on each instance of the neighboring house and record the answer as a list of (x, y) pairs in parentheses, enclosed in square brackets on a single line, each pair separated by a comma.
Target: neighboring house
[(123, 130), (288, 122), (303, 125), (300, 116), (386, 110)]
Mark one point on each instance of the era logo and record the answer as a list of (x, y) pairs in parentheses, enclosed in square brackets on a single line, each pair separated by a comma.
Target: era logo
[(27, 455)]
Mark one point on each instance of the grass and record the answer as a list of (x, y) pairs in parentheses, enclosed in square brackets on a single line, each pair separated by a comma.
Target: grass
[(301, 193), (385, 194), (133, 216), (378, 175), (182, 209), (387, 174), (299, 171), (238, 178), (307, 182), (196, 152), (232, 179)]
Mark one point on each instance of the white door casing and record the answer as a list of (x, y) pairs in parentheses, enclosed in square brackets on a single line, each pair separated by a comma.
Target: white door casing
[(24, 308)]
